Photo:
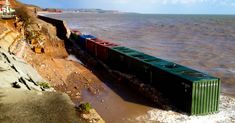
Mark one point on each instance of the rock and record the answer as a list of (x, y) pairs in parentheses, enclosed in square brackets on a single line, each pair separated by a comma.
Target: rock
[(50, 89), (16, 85), (77, 97), (78, 94), (92, 90), (92, 117), (13, 68), (43, 65), (142, 85), (98, 91), (4, 66), (32, 86)]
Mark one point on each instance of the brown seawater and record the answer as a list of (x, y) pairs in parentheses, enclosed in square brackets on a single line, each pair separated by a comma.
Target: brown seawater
[(202, 42)]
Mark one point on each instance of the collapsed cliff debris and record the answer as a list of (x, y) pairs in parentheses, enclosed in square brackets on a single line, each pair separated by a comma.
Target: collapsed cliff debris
[(17, 73), (30, 30)]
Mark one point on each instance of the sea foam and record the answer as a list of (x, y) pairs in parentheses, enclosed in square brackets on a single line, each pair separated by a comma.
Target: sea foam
[(225, 115)]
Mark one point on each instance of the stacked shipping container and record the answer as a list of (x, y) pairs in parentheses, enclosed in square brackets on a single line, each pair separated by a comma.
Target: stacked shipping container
[(191, 91)]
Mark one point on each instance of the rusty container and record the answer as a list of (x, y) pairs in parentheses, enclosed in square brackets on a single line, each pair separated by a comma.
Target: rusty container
[(90, 46), (103, 48)]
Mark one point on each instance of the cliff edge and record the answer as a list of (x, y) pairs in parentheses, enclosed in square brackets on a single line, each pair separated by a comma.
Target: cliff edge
[(37, 77)]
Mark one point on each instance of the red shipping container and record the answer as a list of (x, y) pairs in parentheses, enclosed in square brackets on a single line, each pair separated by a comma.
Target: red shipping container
[(99, 48), (102, 49), (90, 47)]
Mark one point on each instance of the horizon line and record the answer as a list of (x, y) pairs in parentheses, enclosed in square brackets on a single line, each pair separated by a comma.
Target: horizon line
[(145, 12)]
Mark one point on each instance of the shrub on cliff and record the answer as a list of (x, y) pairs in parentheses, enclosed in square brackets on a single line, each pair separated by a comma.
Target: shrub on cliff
[(23, 15), (22, 12)]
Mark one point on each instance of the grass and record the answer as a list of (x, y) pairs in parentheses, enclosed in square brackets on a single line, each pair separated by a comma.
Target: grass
[(84, 107), (44, 85)]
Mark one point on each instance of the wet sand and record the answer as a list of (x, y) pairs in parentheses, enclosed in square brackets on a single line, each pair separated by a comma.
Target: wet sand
[(115, 107)]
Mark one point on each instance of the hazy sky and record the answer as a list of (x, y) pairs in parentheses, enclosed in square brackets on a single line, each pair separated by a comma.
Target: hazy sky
[(146, 6)]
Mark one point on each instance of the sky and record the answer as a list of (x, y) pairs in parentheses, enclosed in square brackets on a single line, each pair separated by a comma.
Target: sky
[(145, 6)]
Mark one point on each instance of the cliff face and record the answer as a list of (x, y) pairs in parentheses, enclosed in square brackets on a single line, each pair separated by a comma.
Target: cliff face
[(24, 94), (22, 97), (8, 36), (33, 53), (15, 70)]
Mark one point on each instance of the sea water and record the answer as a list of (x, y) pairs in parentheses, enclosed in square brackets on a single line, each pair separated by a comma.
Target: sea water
[(202, 42)]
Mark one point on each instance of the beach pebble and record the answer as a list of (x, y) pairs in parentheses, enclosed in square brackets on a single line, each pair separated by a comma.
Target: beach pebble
[(77, 97), (43, 65), (142, 85), (78, 94)]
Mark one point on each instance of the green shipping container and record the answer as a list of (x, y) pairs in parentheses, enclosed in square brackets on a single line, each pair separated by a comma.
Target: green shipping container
[(189, 90), (118, 58)]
